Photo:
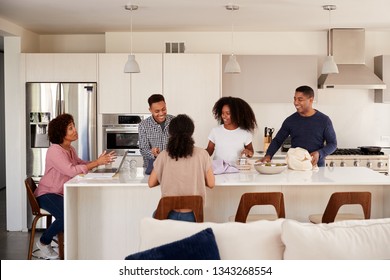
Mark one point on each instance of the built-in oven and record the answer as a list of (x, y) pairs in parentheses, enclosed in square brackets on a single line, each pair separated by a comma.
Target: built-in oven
[(120, 133)]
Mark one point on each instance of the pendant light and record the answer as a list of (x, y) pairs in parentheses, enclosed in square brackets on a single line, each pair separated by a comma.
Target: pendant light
[(131, 65), (329, 66), (232, 66)]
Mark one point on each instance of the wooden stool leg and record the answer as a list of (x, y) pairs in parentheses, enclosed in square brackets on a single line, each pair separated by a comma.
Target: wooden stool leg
[(32, 235), (31, 245), (61, 245)]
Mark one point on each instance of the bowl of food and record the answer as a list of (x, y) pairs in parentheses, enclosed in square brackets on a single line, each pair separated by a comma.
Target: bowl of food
[(270, 168)]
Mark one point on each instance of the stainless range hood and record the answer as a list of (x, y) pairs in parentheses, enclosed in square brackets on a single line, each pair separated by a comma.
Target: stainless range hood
[(348, 47)]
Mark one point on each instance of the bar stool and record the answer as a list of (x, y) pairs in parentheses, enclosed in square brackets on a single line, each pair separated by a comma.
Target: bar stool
[(339, 199), (248, 200), (40, 213), (169, 203)]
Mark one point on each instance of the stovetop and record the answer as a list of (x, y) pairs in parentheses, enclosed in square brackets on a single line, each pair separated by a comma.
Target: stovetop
[(343, 152)]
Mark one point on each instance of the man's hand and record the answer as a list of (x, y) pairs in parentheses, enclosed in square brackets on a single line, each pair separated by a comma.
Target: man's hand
[(267, 158), (155, 151), (315, 156)]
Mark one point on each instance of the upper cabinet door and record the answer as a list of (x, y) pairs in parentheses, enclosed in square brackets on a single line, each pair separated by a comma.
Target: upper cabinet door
[(63, 67), (192, 84), (121, 92), (270, 78), (147, 82), (113, 84)]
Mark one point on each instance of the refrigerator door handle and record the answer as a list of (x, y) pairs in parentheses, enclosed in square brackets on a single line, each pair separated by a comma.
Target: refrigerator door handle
[(62, 105), (58, 105)]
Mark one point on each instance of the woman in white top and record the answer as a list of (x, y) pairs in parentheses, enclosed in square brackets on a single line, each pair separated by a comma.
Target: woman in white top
[(233, 138)]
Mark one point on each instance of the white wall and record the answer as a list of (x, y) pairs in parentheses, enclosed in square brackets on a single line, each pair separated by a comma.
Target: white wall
[(2, 118), (80, 43), (220, 42), (14, 136), (29, 40)]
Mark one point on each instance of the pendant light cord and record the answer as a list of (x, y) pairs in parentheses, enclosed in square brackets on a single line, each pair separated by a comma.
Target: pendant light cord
[(232, 18), (329, 43), (329, 8), (131, 31), (131, 8), (232, 8)]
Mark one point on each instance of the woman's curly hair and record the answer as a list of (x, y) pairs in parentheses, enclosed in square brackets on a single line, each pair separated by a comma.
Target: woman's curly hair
[(181, 143), (58, 127), (241, 112)]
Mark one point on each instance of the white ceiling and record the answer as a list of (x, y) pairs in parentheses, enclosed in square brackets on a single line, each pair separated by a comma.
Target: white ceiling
[(99, 16)]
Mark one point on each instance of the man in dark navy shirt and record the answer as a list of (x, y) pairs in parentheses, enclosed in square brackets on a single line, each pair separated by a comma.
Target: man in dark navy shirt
[(309, 129)]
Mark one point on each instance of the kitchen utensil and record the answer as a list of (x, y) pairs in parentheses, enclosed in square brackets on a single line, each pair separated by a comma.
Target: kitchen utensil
[(270, 168), (265, 131), (270, 132), (370, 149)]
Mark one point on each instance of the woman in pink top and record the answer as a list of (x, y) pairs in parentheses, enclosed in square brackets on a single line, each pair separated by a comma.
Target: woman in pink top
[(62, 164), (182, 169)]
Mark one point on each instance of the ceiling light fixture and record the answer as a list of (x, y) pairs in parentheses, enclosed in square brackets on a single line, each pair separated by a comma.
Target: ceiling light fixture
[(329, 66), (131, 65), (232, 66)]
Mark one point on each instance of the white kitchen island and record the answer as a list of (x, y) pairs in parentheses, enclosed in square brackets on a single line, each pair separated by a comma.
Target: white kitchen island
[(102, 216)]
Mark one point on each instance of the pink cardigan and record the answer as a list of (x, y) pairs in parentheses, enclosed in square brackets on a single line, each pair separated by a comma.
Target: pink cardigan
[(61, 166)]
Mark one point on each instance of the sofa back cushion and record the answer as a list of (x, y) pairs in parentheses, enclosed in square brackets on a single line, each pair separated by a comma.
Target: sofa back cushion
[(358, 239), (200, 246), (236, 241)]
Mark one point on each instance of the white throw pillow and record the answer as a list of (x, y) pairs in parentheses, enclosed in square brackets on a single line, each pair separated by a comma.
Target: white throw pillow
[(236, 241), (363, 239)]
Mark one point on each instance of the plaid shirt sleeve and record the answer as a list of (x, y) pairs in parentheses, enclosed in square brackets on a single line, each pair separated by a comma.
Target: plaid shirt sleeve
[(144, 146), (151, 135)]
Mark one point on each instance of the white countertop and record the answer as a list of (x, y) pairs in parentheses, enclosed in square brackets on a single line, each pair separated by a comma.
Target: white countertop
[(324, 176)]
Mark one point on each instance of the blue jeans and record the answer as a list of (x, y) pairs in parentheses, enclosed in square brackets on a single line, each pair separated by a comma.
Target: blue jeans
[(54, 204), (187, 217)]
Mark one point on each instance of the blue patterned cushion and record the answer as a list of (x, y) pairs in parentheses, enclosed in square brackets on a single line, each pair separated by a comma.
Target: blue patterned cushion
[(200, 246)]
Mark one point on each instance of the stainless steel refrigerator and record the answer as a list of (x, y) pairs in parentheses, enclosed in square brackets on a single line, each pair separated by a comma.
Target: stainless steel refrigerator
[(45, 101)]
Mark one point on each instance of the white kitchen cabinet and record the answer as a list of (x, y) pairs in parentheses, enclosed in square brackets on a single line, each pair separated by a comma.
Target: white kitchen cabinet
[(113, 84), (382, 70), (121, 92), (61, 67), (192, 84), (146, 83), (270, 78)]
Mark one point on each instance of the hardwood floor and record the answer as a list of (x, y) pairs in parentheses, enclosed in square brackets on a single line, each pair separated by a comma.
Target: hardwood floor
[(13, 245)]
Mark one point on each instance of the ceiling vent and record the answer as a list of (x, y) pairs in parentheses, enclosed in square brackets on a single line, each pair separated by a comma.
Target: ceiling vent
[(348, 48), (174, 47)]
